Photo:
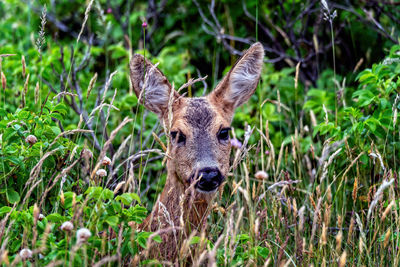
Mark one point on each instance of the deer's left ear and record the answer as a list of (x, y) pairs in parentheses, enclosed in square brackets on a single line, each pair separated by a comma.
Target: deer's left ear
[(241, 81)]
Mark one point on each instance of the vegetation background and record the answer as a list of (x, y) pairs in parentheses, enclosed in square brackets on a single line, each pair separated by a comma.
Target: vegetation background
[(315, 166)]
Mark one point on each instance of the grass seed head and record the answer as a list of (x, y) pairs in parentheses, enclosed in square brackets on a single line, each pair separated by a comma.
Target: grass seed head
[(339, 238), (324, 234), (37, 92), (4, 258), (23, 66), (387, 237), (36, 211), (3, 81), (62, 198), (351, 229), (342, 259), (387, 210)]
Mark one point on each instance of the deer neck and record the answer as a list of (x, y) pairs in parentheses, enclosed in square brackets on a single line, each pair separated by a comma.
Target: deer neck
[(178, 205)]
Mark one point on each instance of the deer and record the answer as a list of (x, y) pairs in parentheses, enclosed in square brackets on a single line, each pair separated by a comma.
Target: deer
[(199, 140)]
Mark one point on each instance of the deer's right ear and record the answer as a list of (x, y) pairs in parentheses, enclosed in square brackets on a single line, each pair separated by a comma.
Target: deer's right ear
[(150, 84)]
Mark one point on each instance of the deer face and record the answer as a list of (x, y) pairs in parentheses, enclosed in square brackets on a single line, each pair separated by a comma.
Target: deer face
[(199, 127)]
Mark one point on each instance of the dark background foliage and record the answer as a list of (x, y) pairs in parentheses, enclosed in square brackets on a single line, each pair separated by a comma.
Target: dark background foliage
[(330, 84)]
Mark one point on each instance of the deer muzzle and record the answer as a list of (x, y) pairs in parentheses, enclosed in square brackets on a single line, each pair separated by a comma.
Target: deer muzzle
[(209, 180)]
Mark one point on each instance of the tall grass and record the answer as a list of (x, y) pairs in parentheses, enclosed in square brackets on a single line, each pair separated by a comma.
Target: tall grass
[(281, 206)]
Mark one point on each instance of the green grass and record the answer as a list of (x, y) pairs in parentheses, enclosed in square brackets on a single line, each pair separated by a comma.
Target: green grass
[(315, 183)]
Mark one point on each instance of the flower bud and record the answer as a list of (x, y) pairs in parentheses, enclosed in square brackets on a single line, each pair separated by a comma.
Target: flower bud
[(67, 226), (101, 172), (25, 254), (31, 139), (82, 235), (261, 175), (106, 161)]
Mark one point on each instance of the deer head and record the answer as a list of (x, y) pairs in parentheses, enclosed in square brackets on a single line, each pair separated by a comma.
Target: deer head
[(199, 128), (200, 146)]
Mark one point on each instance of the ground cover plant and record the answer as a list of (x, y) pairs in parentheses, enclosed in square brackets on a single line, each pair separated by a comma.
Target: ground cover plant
[(314, 164)]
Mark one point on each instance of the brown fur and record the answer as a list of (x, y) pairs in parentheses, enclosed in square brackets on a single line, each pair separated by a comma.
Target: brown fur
[(181, 209)]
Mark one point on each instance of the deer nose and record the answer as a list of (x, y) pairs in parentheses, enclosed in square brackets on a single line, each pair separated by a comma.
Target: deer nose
[(211, 179)]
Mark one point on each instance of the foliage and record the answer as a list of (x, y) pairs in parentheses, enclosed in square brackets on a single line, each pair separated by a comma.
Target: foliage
[(325, 135)]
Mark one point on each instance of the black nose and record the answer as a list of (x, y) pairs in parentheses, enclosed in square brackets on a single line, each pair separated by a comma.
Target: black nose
[(211, 179)]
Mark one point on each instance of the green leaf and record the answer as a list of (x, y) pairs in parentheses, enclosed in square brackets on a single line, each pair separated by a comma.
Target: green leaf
[(263, 252), (55, 217), (112, 220), (12, 196), (4, 210), (94, 192), (107, 194), (195, 240), (127, 198)]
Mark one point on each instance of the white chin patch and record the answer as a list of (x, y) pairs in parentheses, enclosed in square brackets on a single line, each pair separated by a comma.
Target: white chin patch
[(206, 192)]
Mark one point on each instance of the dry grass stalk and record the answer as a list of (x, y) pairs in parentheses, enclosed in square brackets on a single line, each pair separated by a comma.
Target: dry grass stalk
[(132, 158), (351, 164), (301, 218), (65, 93), (327, 213), (355, 187), (277, 168), (378, 195), (36, 169), (267, 262), (339, 238), (386, 240), (158, 140), (315, 220), (37, 93), (327, 164), (61, 174), (3, 81), (191, 82), (185, 247), (69, 133), (23, 66), (31, 188), (100, 107), (213, 253), (324, 234), (387, 210), (120, 150), (351, 230), (279, 101), (40, 40), (107, 144), (88, 8), (296, 77), (91, 85), (282, 184), (118, 187), (342, 259), (106, 260)]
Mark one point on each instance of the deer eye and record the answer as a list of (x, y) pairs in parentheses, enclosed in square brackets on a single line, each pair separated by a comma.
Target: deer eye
[(179, 137), (223, 134)]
